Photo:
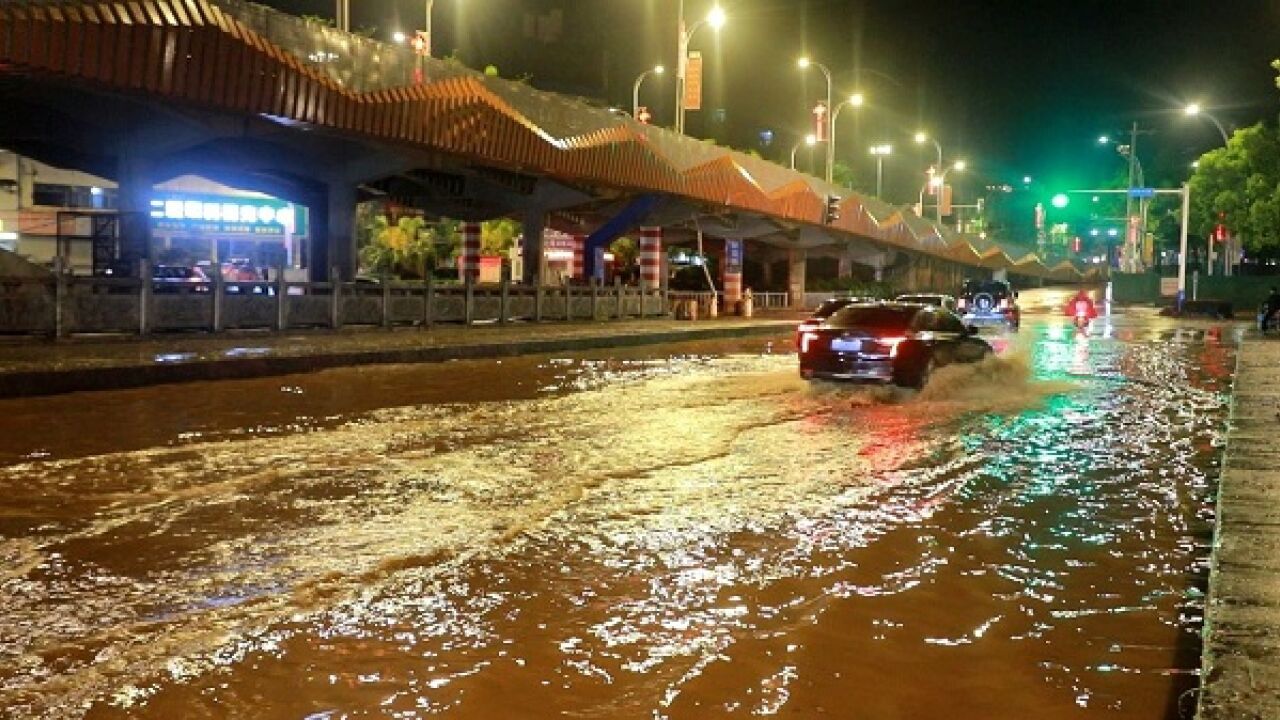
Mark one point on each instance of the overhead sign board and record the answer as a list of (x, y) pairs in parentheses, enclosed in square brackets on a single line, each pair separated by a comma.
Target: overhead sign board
[(224, 215), (1140, 192)]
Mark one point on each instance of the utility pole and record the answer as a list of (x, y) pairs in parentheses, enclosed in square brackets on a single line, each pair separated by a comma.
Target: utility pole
[(343, 19)]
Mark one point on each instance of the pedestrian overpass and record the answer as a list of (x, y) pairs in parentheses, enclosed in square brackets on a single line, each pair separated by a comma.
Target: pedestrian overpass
[(145, 91)]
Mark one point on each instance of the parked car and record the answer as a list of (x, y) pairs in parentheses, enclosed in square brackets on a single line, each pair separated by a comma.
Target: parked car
[(178, 279), (946, 302), (240, 270), (986, 303), (825, 310), (890, 342)]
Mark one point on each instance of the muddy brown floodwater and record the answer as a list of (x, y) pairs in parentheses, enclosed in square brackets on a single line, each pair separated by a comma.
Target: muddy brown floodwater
[(674, 532)]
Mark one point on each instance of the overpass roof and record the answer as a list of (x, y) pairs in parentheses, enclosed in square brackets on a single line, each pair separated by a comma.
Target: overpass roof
[(238, 57)]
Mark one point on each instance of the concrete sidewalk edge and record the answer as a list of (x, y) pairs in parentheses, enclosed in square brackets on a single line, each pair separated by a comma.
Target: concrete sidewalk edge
[(34, 383)]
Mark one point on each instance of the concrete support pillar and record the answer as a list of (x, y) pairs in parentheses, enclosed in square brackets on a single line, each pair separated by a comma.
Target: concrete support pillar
[(532, 246), (576, 268), (134, 188), (795, 275), (469, 259), (766, 270), (651, 256), (844, 264), (877, 266), (732, 279), (340, 231)]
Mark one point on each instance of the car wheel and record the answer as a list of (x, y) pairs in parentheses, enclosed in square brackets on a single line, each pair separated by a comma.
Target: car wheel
[(926, 372)]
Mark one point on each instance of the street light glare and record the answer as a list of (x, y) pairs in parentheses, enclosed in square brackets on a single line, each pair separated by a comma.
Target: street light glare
[(1103, 139), (398, 36), (659, 69), (961, 165), (856, 100), (1193, 109), (810, 139), (716, 18), (921, 137), (1026, 179), (804, 62)]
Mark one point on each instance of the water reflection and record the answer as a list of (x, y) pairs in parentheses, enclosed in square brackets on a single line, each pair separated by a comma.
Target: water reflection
[(697, 536)]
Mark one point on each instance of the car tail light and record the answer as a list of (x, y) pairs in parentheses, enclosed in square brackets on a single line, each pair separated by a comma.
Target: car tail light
[(1004, 303), (805, 339), (961, 303), (892, 343)]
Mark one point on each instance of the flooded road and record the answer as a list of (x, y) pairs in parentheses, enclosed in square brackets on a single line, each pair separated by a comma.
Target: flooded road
[(672, 532)]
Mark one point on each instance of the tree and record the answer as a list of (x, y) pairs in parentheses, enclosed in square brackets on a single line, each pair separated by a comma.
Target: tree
[(497, 237), (1239, 185), (407, 247)]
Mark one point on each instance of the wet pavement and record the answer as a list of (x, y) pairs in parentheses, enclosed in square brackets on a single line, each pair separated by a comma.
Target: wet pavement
[(1242, 633), (681, 531), (30, 366)]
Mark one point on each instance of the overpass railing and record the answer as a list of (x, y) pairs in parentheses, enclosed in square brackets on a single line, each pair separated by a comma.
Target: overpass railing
[(63, 304)]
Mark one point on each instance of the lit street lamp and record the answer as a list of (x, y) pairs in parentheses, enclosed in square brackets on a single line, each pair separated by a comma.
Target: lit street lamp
[(398, 37), (804, 64), (855, 100), (880, 151), (342, 18), (635, 90), (1194, 109), (809, 140), (716, 19), (921, 138)]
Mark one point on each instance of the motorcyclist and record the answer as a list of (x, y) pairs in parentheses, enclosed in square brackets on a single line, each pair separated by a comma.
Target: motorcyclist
[(1269, 307), (1081, 307)]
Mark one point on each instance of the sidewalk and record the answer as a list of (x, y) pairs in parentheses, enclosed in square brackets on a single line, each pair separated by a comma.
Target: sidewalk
[(29, 368), (1240, 673)]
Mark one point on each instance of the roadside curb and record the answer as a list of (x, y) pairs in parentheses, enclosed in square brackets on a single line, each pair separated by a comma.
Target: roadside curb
[(35, 383), (1239, 673)]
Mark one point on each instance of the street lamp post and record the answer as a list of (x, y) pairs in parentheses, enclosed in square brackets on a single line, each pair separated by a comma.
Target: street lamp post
[(809, 140), (855, 100), (716, 19), (804, 63), (880, 151), (921, 138), (635, 90), (1194, 109), (343, 19)]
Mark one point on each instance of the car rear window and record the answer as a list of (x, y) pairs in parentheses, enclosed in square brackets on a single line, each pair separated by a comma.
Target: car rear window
[(876, 317), (828, 307), (992, 288)]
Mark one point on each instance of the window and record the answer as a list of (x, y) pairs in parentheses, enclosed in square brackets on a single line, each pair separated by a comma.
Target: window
[(72, 196)]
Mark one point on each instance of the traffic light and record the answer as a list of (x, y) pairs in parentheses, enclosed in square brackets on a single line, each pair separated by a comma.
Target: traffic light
[(831, 212)]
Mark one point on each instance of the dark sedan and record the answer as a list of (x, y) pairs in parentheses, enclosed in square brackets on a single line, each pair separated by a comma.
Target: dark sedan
[(899, 343), (824, 311)]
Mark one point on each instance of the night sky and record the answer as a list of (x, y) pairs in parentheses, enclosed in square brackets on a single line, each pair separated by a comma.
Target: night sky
[(1016, 87)]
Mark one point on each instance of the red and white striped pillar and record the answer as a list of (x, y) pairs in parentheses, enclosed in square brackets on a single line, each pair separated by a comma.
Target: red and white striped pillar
[(579, 251), (732, 264), (469, 260), (651, 256)]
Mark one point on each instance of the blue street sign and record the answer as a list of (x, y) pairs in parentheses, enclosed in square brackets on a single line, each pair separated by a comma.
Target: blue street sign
[(1139, 192)]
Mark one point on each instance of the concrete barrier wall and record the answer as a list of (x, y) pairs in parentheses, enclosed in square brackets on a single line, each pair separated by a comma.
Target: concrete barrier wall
[(96, 305)]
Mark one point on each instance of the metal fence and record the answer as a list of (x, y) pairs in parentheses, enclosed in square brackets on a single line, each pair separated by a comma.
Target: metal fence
[(65, 304)]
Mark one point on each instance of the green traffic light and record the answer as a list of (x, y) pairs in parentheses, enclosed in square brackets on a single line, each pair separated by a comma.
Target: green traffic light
[(1060, 200)]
